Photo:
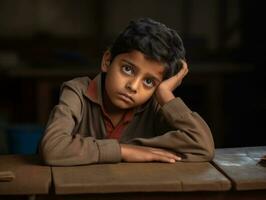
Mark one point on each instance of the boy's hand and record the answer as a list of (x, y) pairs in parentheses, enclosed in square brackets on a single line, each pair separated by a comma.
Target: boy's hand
[(164, 91), (133, 153)]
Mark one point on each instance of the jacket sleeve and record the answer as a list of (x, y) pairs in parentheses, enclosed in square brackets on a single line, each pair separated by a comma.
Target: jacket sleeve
[(61, 145), (184, 132)]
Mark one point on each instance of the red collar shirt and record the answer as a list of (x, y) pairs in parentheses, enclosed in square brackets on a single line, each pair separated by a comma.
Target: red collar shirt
[(95, 95)]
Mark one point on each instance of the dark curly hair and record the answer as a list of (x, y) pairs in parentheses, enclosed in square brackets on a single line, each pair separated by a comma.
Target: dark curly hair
[(154, 40)]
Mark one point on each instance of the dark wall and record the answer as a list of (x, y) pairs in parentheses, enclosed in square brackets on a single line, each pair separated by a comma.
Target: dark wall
[(76, 38)]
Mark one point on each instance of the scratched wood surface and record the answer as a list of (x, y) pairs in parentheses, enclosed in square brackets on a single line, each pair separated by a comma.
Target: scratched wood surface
[(25, 175), (138, 177), (243, 166)]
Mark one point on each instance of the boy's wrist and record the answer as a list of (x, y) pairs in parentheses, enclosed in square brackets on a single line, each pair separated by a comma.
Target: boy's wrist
[(164, 96)]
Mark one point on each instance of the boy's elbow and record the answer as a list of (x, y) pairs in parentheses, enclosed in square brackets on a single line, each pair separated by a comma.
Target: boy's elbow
[(208, 152), (48, 160), (209, 155), (201, 154), (48, 157), (207, 147)]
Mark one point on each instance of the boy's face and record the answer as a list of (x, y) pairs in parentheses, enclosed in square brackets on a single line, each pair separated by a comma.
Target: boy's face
[(131, 79)]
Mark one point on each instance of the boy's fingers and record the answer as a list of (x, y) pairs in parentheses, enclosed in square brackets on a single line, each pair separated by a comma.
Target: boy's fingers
[(166, 154), (161, 158), (170, 156), (184, 69), (132, 153), (182, 73), (184, 64)]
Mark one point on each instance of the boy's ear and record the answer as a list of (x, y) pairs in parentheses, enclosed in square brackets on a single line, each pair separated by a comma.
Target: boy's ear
[(106, 61)]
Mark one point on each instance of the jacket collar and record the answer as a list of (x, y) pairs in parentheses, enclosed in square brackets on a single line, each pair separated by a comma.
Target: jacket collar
[(94, 91)]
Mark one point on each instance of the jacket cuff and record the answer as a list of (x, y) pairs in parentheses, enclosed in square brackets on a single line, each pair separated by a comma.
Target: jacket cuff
[(176, 104), (109, 151)]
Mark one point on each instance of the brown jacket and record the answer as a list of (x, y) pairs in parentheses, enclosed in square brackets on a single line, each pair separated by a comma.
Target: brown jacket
[(76, 135)]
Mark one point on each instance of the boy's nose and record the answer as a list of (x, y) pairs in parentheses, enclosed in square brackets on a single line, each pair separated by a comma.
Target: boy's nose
[(133, 85)]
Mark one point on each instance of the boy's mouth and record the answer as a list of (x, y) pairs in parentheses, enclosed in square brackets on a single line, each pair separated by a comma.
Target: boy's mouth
[(126, 97)]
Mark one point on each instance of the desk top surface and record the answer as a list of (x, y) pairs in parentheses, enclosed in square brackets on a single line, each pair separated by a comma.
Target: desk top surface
[(139, 177), (243, 167), (240, 165), (29, 176)]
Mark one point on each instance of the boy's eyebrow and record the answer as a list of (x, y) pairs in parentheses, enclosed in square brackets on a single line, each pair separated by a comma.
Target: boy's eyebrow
[(153, 76)]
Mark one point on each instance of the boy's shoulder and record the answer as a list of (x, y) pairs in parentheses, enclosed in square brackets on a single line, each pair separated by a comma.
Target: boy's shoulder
[(77, 84), (84, 80)]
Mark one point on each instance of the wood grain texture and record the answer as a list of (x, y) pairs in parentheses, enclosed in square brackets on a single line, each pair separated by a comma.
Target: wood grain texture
[(243, 166), (138, 177), (29, 176)]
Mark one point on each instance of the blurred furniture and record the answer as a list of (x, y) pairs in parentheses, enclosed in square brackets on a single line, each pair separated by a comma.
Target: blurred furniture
[(36, 88)]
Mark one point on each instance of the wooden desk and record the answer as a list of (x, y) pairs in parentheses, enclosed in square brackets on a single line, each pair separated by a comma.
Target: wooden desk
[(234, 174), (139, 181), (30, 177), (242, 167)]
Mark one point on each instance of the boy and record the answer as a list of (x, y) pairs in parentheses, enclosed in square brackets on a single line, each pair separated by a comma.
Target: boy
[(128, 112)]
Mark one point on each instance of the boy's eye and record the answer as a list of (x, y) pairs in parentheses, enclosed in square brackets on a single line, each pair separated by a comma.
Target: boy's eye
[(149, 82), (127, 69)]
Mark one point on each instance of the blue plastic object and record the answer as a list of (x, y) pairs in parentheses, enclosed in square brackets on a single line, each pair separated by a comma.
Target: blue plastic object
[(24, 138)]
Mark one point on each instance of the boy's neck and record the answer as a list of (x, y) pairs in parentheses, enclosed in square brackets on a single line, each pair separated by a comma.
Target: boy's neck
[(115, 114)]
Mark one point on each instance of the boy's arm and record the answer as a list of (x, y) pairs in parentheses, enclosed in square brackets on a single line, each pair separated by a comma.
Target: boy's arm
[(61, 145), (136, 153), (186, 133), (191, 136), (164, 92)]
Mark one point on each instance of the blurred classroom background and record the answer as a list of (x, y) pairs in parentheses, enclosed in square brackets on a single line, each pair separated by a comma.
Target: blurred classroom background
[(46, 42)]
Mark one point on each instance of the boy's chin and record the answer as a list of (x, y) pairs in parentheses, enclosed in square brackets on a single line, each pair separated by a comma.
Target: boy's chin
[(123, 106)]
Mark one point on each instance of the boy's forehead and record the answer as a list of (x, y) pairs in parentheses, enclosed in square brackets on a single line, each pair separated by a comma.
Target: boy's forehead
[(138, 57)]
